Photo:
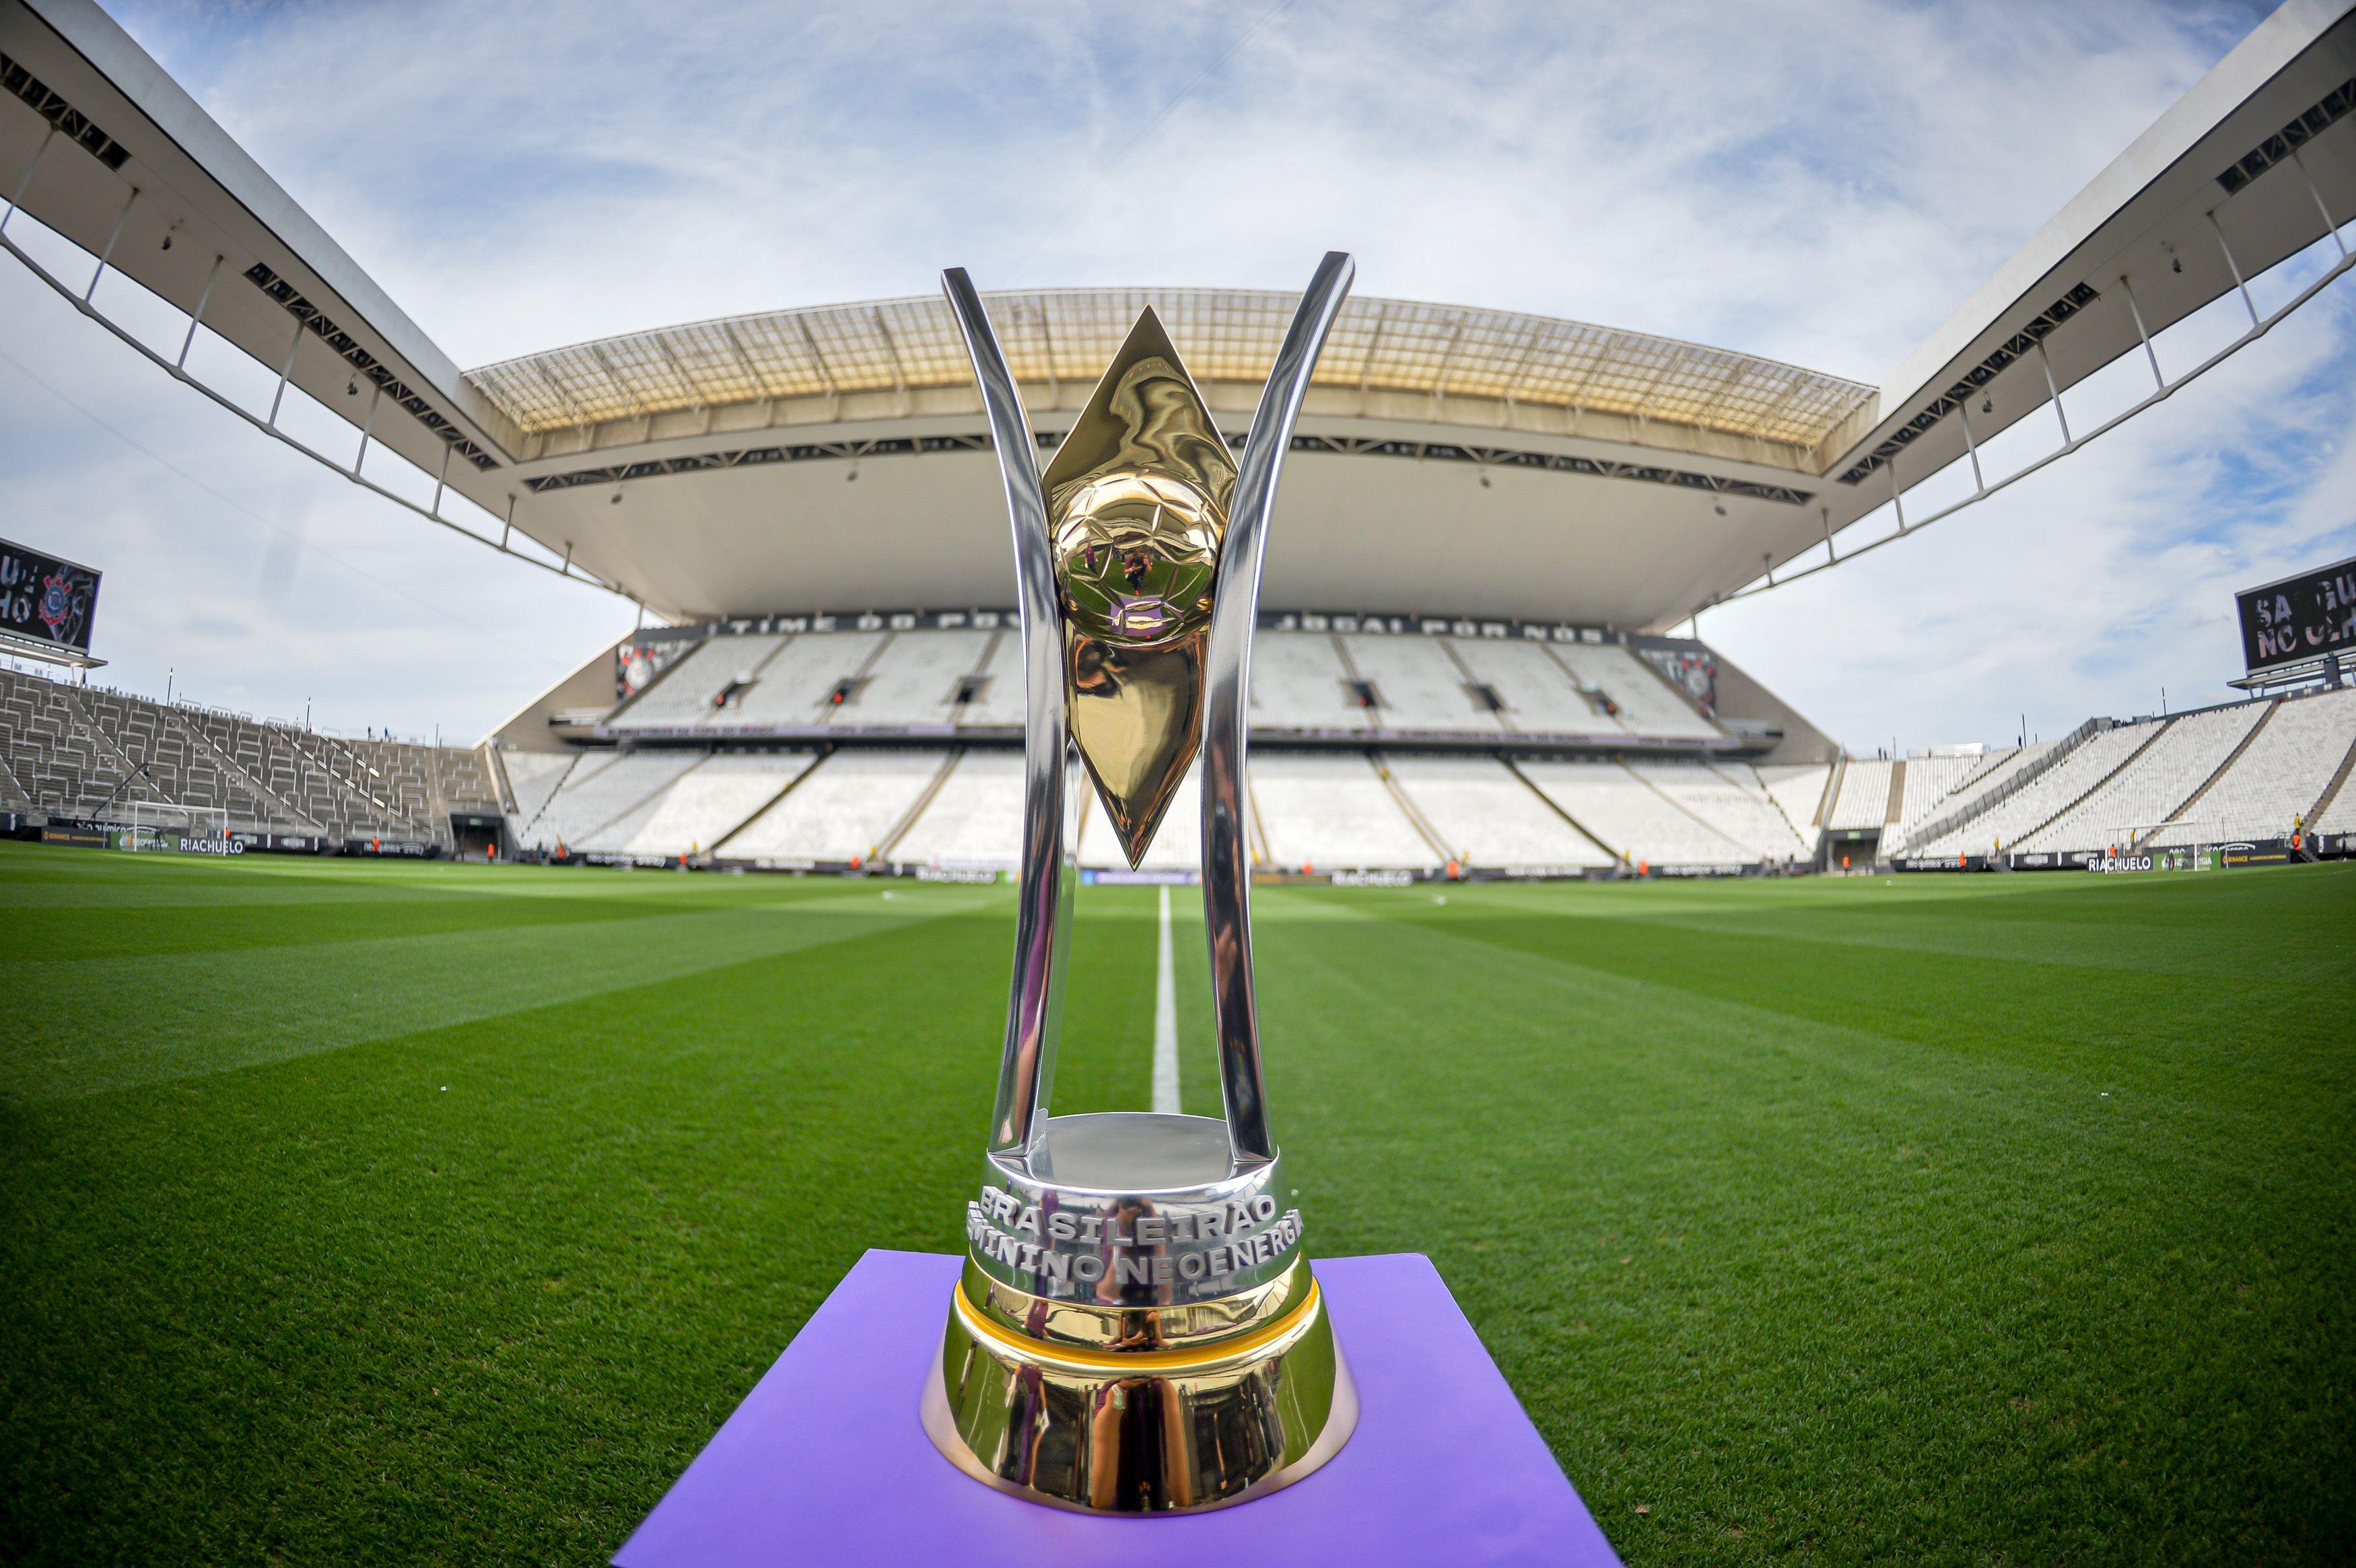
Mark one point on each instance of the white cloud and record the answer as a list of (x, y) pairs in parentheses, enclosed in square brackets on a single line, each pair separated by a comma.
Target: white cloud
[(1820, 182)]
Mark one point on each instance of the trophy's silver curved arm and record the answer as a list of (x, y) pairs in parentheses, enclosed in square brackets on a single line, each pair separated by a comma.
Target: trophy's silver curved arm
[(1050, 871), (1227, 862)]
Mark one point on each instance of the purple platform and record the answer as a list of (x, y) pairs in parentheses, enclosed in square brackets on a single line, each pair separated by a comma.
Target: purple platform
[(827, 1462)]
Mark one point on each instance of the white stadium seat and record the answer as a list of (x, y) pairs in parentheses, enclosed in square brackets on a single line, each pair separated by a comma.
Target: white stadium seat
[(1421, 686), (1297, 684), (1489, 817), (701, 807), (974, 820), (2178, 761), (601, 791), (1864, 798), (2031, 805), (1333, 813), (1627, 814), (913, 680), (1732, 804), (845, 809), (1540, 696), (2280, 778), (1799, 789)]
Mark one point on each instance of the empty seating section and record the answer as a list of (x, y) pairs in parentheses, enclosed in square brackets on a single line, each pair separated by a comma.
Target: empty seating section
[(1864, 798), (1732, 804), (843, 810), (685, 693), (2185, 753), (71, 751), (781, 684), (2280, 778), (532, 778), (601, 791), (1929, 780), (914, 681), (1541, 696), (976, 818), (701, 807), (1630, 816), (1487, 816), (1332, 812), (2029, 806), (1799, 789), (1421, 688), (998, 705), (77, 750), (1297, 684), (1995, 773), (1648, 705), (794, 686)]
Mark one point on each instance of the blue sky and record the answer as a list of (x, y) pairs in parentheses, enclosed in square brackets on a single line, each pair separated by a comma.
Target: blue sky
[(1819, 182)]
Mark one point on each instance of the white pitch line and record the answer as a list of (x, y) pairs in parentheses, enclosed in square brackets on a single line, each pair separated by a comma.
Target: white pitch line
[(1166, 1018)]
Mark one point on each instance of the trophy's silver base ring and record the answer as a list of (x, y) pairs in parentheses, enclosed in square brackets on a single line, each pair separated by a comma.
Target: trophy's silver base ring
[(1275, 1405)]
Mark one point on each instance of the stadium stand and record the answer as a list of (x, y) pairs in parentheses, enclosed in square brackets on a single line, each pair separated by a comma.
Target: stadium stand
[(1335, 812), (2046, 795), (2278, 779), (997, 687), (1798, 788), (689, 691), (600, 793), (1731, 804), (851, 806), (699, 807), (1648, 704), (1981, 790), (1308, 683), (1424, 689), (1928, 780), (2188, 749), (975, 818), (1622, 811), (89, 752), (1530, 783), (1487, 815), (914, 683), (1540, 696), (1864, 798), (796, 687), (531, 778), (1298, 683)]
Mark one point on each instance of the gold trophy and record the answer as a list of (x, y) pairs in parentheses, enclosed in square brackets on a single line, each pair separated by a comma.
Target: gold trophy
[(1137, 1330)]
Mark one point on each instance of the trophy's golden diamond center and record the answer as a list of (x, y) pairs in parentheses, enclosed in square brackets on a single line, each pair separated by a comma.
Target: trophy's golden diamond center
[(1137, 555)]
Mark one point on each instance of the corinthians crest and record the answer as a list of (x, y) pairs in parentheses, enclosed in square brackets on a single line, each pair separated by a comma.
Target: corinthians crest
[(1137, 1330)]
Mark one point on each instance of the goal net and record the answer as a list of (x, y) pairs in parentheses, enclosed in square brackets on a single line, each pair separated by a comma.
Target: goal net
[(2131, 848), (170, 824)]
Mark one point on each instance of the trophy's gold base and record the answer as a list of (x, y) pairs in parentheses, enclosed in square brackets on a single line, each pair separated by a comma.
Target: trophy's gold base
[(1141, 1432)]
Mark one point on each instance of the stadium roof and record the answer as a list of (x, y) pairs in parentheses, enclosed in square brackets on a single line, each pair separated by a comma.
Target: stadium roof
[(1225, 335), (1449, 459)]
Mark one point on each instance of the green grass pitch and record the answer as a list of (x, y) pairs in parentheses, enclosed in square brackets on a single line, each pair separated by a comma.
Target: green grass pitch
[(358, 1212)]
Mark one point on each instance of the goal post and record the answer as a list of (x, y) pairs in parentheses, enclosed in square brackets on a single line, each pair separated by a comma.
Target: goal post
[(2131, 842), (165, 824)]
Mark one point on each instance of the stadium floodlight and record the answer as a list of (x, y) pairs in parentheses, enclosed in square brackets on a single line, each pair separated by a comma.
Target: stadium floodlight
[(1145, 1262)]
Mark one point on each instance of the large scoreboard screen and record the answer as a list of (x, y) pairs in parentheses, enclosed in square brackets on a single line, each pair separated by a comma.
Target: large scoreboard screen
[(44, 599), (2302, 617)]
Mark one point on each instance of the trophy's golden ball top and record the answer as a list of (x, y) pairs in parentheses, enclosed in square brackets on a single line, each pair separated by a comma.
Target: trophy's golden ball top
[(1138, 556)]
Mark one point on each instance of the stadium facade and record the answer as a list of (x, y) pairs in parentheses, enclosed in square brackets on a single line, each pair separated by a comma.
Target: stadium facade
[(803, 502)]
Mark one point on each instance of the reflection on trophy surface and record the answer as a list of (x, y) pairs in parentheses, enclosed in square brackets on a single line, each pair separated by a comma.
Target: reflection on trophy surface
[(1137, 1330)]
